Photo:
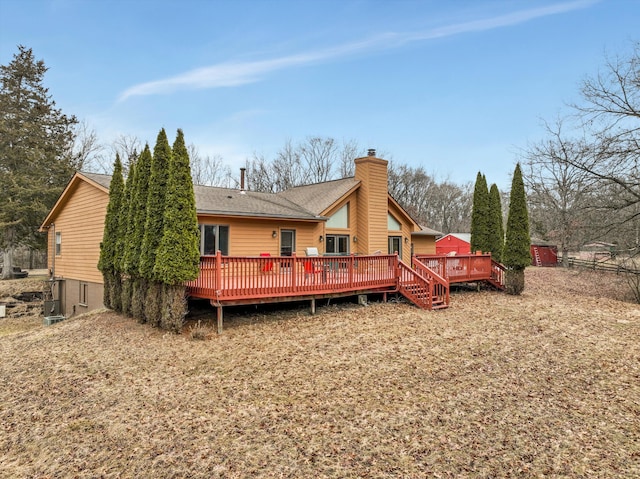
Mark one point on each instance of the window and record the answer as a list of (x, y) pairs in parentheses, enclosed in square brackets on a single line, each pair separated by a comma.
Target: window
[(395, 245), (214, 238), (340, 219), (392, 223), (58, 243), (337, 244), (84, 294), (287, 242)]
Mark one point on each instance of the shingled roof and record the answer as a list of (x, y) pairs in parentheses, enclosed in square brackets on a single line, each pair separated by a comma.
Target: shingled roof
[(103, 180), (225, 201), (319, 196)]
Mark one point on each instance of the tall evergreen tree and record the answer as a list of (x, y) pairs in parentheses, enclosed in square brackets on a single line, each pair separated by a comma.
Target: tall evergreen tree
[(178, 255), (36, 142), (137, 214), (135, 233), (517, 250), (480, 215), (106, 262), (124, 286), (156, 196), (495, 230)]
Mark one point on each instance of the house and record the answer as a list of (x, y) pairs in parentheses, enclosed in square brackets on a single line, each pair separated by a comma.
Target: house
[(454, 243), (352, 216)]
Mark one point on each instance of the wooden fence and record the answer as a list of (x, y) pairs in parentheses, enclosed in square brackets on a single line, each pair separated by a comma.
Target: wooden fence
[(595, 265)]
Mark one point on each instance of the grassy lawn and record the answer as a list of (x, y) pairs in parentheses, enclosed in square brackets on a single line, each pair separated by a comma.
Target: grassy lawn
[(546, 384)]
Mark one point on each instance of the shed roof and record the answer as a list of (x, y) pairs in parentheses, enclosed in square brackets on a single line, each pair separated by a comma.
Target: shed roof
[(425, 231), (466, 237)]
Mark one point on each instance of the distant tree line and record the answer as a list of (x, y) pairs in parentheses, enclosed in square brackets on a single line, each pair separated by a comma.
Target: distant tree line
[(444, 206)]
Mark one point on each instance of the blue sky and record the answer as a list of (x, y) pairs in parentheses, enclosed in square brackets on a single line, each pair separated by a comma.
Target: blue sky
[(455, 86)]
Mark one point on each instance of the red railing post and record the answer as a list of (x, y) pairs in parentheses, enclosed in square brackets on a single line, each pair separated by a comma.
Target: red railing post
[(218, 276), (293, 271), (352, 267)]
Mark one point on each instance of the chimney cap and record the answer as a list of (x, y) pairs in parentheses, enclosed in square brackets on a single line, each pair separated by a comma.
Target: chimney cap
[(371, 152)]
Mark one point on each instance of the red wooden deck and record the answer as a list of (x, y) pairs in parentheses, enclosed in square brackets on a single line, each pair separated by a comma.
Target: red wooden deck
[(227, 280), (465, 268), (236, 280)]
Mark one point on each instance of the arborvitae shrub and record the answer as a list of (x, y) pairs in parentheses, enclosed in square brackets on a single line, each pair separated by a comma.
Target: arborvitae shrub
[(517, 250)]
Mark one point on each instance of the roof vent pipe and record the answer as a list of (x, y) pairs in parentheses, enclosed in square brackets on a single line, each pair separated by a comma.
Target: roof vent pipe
[(371, 152)]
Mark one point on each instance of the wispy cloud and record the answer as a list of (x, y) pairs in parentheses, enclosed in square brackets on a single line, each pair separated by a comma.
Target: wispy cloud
[(230, 74)]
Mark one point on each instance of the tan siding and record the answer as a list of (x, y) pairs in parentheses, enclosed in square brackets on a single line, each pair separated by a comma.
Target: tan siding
[(405, 231), (352, 229), (424, 244), (372, 198), (81, 225), (250, 237)]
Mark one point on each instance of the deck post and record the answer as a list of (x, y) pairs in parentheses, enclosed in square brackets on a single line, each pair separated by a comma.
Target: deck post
[(313, 306), (219, 311)]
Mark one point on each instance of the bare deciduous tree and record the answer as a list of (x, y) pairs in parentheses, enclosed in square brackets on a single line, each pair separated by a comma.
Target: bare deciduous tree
[(349, 151), (600, 169), (443, 206), (611, 114), (559, 192), (312, 161), (88, 151), (319, 156), (209, 170), (128, 147)]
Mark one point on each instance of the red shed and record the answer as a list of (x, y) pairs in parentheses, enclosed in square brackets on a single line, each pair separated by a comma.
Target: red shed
[(543, 254), (458, 243)]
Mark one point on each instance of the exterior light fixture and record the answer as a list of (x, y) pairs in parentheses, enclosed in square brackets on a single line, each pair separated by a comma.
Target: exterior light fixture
[(274, 234), (406, 240), (321, 239), (355, 239)]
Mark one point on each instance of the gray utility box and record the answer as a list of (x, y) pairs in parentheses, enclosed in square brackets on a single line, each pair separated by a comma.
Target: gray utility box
[(52, 307)]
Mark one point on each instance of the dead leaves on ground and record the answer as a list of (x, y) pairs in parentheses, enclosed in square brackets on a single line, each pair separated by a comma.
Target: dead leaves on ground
[(546, 384)]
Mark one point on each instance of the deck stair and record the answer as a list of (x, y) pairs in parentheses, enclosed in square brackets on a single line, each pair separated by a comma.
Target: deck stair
[(497, 275), (423, 287)]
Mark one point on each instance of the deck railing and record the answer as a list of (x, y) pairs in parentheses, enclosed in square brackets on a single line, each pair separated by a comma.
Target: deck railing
[(242, 278), (497, 273), (439, 285), (460, 268)]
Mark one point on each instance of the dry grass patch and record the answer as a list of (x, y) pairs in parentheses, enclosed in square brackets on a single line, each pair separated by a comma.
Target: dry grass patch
[(546, 384), (20, 316)]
